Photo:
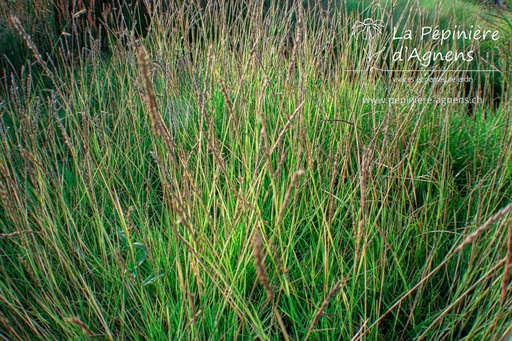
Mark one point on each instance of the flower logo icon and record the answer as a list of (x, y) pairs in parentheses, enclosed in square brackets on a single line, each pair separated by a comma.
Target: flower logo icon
[(368, 28)]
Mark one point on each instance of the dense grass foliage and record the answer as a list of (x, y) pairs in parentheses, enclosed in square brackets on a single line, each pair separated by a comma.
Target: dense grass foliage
[(262, 197)]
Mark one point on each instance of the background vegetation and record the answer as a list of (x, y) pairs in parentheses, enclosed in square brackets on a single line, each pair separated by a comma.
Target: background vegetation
[(223, 178)]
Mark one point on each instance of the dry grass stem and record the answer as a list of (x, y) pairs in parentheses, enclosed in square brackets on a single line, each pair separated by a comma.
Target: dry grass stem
[(259, 262), (501, 213), (157, 123), (83, 327), (285, 128), (508, 266), (288, 194), (17, 233), (4, 321), (262, 276), (334, 291), (62, 129), (28, 40)]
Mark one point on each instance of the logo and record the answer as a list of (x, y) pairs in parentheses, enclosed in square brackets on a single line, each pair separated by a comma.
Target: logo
[(369, 30), (424, 46)]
